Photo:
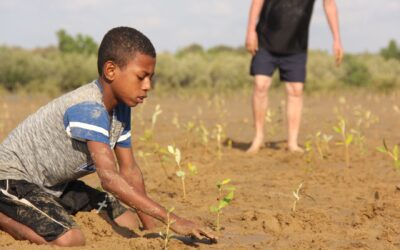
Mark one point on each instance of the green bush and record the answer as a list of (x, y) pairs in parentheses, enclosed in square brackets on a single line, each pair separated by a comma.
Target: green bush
[(356, 73), (221, 68)]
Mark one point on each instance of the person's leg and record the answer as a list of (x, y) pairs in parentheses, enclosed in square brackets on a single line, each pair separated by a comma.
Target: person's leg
[(78, 196), (73, 237), (262, 68), (29, 213), (293, 72), (294, 108), (259, 104)]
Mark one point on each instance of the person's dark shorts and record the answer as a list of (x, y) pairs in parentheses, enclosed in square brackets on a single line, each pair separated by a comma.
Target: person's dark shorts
[(48, 215), (292, 67)]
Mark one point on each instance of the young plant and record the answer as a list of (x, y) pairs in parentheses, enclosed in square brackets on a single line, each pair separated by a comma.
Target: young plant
[(167, 235), (219, 136), (394, 153), (296, 195), (149, 133), (308, 150), (175, 121), (347, 139), (317, 142), (223, 200), (189, 127), (326, 140), (180, 173), (161, 153), (192, 168), (144, 156)]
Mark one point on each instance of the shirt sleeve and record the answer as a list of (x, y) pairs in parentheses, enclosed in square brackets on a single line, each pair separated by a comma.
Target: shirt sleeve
[(87, 121), (124, 115)]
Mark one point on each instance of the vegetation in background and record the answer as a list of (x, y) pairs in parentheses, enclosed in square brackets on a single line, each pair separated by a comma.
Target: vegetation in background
[(72, 63)]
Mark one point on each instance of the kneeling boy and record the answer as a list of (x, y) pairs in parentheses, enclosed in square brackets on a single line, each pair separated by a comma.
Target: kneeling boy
[(78, 134)]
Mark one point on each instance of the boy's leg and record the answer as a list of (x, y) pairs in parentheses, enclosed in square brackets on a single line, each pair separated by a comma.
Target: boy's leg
[(29, 213), (80, 197), (294, 109), (259, 104)]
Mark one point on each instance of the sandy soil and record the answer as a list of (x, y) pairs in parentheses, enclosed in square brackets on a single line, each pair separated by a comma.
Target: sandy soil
[(340, 207)]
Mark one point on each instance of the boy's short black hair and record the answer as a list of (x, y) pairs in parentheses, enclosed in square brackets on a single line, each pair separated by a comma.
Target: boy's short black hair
[(121, 44)]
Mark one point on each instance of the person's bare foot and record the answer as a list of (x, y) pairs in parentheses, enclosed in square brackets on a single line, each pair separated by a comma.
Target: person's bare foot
[(295, 149), (255, 145)]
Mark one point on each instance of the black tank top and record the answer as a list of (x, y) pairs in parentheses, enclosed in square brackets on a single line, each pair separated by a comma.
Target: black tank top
[(283, 25)]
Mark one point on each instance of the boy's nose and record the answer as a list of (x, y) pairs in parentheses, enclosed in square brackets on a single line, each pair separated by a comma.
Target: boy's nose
[(146, 85)]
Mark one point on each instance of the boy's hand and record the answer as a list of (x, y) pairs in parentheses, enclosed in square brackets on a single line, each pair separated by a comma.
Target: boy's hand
[(189, 228), (338, 53), (252, 42)]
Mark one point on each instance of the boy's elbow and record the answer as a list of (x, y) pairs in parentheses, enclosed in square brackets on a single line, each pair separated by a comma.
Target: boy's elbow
[(108, 180)]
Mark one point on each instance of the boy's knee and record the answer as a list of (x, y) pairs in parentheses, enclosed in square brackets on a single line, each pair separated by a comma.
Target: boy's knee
[(72, 238)]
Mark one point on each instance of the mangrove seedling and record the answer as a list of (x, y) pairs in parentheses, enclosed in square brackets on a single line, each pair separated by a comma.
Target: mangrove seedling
[(347, 139), (144, 156), (180, 172), (296, 195), (149, 133), (167, 235), (394, 153), (223, 200)]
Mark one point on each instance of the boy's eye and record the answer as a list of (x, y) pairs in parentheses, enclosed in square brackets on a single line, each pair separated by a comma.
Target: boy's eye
[(140, 77)]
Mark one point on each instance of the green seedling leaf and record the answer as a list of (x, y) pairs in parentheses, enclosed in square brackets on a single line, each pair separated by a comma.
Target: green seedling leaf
[(171, 149), (224, 182), (381, 149), (396, 152), (337, 130), (222, 204), (180, 173), (229, 197), (170, 210), (349, 139), (177, 155), (214, 209), (397, 164), (192, 168)]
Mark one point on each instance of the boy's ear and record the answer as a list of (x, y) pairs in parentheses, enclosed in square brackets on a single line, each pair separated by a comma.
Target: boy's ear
[(109, 70)]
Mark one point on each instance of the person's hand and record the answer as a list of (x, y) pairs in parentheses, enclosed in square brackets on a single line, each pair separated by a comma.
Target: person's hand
[(189, 228), (338, 52), (252, 42)]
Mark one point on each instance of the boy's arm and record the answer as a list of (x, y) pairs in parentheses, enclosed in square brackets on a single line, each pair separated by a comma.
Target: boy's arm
[(251, 37), (113, 182), (130, 171), (333, 20)]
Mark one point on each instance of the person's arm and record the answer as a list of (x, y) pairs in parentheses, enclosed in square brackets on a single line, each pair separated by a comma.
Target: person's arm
[(113, 182), (132, 174), (251, 36), (333, 20)]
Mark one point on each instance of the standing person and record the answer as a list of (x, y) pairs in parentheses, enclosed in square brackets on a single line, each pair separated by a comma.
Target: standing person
[(277, 37), (77, 134)]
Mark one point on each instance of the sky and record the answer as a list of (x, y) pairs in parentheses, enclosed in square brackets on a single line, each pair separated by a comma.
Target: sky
[(366, 25)]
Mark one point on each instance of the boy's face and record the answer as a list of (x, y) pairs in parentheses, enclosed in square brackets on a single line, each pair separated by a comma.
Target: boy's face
[(132, 82)]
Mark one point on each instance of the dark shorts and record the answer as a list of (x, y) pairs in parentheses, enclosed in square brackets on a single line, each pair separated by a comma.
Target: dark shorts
[(48, 215), (292, 67)]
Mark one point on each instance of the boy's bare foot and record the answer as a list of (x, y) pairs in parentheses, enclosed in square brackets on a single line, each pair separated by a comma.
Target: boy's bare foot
[(295, 149), (255, 145)]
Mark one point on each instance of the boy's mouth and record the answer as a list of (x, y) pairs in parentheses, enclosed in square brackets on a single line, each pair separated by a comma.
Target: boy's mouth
[(140, 99)]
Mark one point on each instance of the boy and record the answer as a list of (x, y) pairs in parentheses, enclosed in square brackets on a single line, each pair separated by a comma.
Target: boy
[(277, 37), (74, 135)]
